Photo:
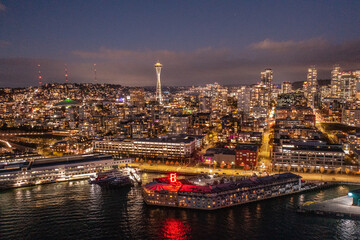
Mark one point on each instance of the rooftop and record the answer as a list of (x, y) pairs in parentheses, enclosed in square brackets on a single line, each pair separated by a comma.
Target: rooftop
[(251, 182), (169, 139), (67, 103), (319, 148), (250, 147)]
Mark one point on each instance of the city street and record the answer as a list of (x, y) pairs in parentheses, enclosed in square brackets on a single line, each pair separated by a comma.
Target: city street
[(265, 150), (240, 172)]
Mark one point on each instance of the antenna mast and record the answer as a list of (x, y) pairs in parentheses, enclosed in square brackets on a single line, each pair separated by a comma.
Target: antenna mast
[(66, 73), (39, 77), (95, 80)]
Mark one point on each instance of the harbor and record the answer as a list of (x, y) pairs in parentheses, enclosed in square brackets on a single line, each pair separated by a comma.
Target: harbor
[(117, 178), (58, 169), (210, 192), (341, 207), (94, 212)]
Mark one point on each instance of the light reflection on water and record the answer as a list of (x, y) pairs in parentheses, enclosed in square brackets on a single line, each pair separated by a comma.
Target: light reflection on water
[(176, 229), (73, 210)]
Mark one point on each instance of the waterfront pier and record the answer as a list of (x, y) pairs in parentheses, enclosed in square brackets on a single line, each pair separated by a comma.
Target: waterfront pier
[(337, 207)]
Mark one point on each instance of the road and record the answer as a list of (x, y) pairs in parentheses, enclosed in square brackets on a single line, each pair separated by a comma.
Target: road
[(265, 150), (240, 172)]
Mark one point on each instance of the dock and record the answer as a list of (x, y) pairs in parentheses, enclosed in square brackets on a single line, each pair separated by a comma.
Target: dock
[(337, 207)]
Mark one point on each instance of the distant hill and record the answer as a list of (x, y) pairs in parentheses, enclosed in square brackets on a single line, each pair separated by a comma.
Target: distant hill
[(321, 82)]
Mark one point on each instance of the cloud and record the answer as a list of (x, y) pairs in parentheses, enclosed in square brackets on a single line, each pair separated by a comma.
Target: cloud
[(274, 46), (291, 58), (313, 51), (2, 7), (180, 67), (4, 43), (288, 59)]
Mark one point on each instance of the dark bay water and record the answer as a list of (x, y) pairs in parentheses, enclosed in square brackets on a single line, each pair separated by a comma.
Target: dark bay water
[(78, 210)]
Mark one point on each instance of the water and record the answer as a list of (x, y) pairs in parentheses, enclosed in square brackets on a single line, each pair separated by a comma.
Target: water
[(78, 210)]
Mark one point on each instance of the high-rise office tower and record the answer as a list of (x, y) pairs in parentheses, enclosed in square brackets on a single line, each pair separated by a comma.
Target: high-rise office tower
[(243, 97), (286, 87), (348, 82), (267, 78), (260, 96), (137, 97), (335, 81), (311, 84), (158, 67)]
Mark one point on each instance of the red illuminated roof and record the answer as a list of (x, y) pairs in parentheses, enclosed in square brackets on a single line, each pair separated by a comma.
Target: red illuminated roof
[(195, 188), (162, 187)]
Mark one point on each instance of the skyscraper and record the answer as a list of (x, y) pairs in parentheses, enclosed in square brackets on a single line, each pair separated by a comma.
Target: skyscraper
[(348, 85), (335, 81), (267, 77), (286, 87), (158, 67), (311, 84), (137, 97), (243, 97)]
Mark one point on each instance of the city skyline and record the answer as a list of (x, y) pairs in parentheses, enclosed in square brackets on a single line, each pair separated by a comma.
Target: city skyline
[(229, 43), (142, 119)]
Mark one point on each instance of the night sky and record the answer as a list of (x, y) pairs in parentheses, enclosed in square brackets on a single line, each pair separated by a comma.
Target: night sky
[(198, 42)]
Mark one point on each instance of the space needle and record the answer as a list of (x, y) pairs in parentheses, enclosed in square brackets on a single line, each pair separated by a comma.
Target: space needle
[(158, 67)]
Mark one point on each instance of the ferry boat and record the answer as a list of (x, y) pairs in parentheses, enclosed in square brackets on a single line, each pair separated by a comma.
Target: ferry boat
[(134, 175), (208, 195), (113, 178), (57, 169)]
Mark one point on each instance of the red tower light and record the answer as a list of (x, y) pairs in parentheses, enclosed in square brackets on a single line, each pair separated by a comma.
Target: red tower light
[(173, 177)]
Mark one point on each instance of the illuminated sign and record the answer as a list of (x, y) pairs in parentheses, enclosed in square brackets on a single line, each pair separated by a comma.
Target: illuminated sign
[(172, 177)]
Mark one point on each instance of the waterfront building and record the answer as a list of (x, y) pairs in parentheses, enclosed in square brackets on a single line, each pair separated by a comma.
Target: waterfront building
[(308, 157), (220, 156), (168, 147), (246, 155), (20, 157), (48, 170), (207, 195)]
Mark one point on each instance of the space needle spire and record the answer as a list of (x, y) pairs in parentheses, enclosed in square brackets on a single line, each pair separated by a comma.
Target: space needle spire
[(158, 67)]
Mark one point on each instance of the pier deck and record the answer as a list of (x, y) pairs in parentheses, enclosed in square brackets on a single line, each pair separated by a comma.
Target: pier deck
[(337, 207)]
